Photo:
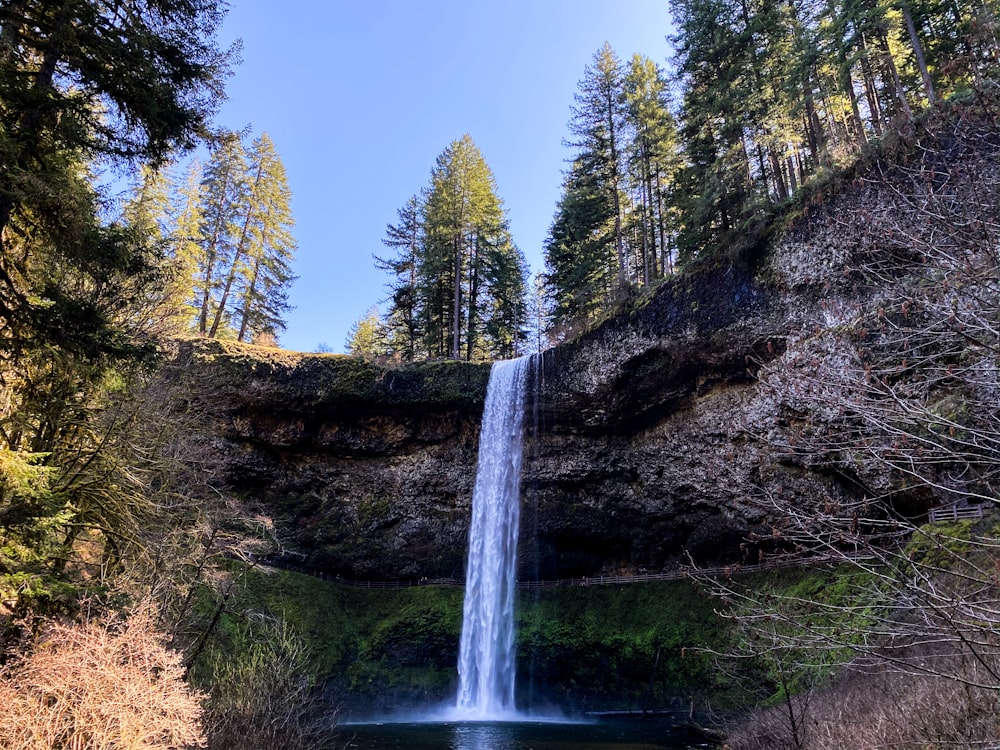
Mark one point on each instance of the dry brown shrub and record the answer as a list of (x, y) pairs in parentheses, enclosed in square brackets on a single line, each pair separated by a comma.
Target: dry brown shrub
[(890, 709), (99, 686)]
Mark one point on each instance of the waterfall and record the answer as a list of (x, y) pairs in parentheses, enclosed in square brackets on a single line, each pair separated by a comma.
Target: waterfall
[(486, 656)]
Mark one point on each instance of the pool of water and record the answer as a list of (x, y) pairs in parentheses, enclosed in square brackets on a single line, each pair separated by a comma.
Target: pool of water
[(605, 734)]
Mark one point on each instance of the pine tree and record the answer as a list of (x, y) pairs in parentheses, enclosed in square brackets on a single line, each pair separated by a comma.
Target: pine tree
[(580, 278), (270, 246), (614, 226), (148, 213), (148, 208), (367, 337), (653, 159), (82, 83), (225, 194), (470, 274), (404, 331), (232, 240), (459, 282), (185, 241), (597, 125)]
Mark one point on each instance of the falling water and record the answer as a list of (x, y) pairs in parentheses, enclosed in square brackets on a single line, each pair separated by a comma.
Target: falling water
[(486, 656)]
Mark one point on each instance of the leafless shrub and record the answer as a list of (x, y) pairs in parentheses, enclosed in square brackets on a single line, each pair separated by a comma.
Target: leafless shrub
[(893, 392), (889, 709), (99, 686), (264, 696)]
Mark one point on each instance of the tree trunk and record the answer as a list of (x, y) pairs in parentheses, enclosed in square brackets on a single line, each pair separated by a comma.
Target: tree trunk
[(456, 313), (240, 250), (470, 332), (615, 188), (206, 296), (790, 165), (859, 124), (894, 72), (870, 92), (231, 276), (779, 179), (918, 51), (248, 301), (666, 261), (648, 237)]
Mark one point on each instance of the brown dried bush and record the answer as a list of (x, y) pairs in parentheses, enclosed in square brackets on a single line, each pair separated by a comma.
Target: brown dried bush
[(890, 709), (99, 686)]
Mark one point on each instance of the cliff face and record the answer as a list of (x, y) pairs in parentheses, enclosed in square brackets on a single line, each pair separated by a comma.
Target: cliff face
[(661, 433), (367, 471)]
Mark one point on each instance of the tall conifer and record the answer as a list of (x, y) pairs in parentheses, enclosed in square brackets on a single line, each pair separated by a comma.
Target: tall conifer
[(459, 286)]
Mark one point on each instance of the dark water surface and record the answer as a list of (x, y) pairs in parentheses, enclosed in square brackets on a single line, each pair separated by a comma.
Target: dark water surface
[(617, 734)]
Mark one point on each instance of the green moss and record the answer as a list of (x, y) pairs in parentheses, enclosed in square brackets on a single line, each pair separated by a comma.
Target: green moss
[(621, 647), (297, 380), (598, 647), (937, 545)]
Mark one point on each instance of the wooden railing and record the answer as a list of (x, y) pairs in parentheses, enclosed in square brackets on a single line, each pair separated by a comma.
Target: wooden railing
[(954, 513)]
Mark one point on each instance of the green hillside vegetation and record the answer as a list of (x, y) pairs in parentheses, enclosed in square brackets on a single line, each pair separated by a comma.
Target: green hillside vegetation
[(585, 648)]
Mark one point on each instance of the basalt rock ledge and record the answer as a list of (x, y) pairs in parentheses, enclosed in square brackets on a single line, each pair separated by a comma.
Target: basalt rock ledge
[(653, 436)]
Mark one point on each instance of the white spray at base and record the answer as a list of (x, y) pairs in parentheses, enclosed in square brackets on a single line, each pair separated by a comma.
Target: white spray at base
[(486, 662)]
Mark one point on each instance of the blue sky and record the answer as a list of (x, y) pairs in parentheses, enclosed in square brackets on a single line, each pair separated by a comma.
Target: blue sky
[(360, 96)]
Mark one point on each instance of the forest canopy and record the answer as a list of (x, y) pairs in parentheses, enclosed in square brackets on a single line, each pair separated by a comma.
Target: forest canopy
[(761, 104)]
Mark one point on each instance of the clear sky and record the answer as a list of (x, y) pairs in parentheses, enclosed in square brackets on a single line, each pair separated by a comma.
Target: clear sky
[(360, 97)]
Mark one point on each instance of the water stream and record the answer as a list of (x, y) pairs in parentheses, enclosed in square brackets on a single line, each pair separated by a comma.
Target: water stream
[(486, 663)]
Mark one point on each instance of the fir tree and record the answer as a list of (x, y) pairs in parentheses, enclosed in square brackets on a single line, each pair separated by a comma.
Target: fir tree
[(597, 125), (459, 282), (225, 198), (469, 267), (404, 331), (268, 246), (367, 337)]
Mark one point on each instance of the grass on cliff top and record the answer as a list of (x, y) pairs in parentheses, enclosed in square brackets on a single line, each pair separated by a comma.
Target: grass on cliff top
[(307, 378)]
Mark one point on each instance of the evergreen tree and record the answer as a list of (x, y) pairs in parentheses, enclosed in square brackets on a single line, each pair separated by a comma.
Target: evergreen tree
[(580, 279), (185, 241), (148, 213), (148, 209), (232, 240), (404, 331), (539, 315), (367, 337), (226, 196), (459, 282), (597, 125), (82, 82), (614, 225), (264, 289), (470, 276), (268, 246), (652, 155)]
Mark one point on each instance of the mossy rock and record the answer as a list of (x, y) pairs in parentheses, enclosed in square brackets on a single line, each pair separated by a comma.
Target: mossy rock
[(293, 381)]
